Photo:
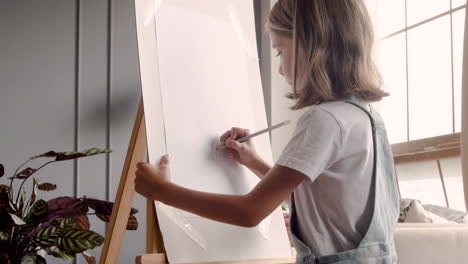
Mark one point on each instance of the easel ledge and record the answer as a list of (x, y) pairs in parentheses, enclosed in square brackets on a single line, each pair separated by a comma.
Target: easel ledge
[(161, 258), (156, 253)]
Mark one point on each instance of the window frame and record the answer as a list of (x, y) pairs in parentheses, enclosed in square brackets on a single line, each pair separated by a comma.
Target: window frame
[(427, 141)]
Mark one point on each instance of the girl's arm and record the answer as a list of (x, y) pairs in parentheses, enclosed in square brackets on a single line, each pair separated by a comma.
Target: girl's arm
[(242, 210), (260, 168)]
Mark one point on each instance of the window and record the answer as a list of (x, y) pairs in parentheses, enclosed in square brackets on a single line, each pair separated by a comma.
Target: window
[(419, 53), (420, 46)]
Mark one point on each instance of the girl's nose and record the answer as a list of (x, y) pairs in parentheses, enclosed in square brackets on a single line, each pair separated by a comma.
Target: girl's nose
[(281, 70)]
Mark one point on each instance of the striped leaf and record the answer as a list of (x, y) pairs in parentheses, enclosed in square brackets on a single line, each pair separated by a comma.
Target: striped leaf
[(46, 237), (37, 212), (66, 223), (56, 252), (78, 240)]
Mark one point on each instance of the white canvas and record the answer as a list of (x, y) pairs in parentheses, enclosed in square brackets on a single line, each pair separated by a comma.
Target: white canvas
[(200, 76)]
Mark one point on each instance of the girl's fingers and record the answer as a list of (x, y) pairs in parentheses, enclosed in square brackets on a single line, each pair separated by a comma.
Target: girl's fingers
[(233, 133), (227, 152), (240, 132), (225, 136), (164, 161), (141, 165), (233, 144)]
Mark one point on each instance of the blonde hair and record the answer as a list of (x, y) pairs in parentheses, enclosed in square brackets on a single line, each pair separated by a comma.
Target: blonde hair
[(332, 47)]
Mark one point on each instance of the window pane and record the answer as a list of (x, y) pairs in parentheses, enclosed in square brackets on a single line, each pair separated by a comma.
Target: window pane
[(451, 169), (457, 3), (458, 31), (392, 62), (389, 17), (430, 79), (421, 181), (419, 10)]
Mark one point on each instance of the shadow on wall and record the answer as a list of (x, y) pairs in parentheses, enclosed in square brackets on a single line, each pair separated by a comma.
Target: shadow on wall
[(123, 107)]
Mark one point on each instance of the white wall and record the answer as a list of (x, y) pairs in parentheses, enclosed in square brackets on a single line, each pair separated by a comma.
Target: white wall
[(69, 80)]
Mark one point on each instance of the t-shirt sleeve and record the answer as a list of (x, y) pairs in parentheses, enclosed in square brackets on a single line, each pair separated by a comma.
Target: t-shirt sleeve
[(315, 144)]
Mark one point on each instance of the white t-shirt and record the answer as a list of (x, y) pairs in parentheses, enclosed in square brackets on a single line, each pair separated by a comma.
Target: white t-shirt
[(332, 145)]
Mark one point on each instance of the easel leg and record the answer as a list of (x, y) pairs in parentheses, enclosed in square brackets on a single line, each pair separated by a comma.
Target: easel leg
[(124, 197), (154, 242)]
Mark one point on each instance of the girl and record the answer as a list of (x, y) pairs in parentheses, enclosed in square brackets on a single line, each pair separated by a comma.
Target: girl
[(337, 169)]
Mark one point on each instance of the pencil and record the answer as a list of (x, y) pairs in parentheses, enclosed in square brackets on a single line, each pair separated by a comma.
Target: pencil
[(243, 139)]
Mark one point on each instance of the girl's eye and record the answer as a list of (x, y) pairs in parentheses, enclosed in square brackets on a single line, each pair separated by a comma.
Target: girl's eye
[(278, 53)]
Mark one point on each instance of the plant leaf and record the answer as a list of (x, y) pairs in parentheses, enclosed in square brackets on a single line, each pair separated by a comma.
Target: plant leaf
[(24, 174), (17, 220), (40, 260), (85, 153), (47, 187), (6, 222), (38, 211), (104, 217), (81, 222), (2, 170), (33, 193), (4, 236), (56, 252), (132, 223), (59, 156), (66, 206), (102, 206), (66, 223), (5, 207), (78, 240), (21, 204), (88, 257), (46, 237), (49, 154), (4, 199), (31, 258)]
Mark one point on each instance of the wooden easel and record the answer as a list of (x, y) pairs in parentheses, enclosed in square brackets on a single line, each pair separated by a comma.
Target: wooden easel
[(155, 251), (123, 202)]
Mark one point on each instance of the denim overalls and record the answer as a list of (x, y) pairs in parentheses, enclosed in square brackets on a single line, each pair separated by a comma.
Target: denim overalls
[(377, 246)]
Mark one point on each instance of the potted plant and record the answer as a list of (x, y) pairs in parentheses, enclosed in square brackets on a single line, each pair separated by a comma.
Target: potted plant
[(32, 227)]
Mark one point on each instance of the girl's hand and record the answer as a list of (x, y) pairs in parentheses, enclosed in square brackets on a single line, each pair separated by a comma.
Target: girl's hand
[(150, 181), (244, 152)]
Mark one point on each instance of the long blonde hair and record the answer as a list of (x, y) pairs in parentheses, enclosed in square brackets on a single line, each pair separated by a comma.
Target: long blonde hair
[(332, 47)]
